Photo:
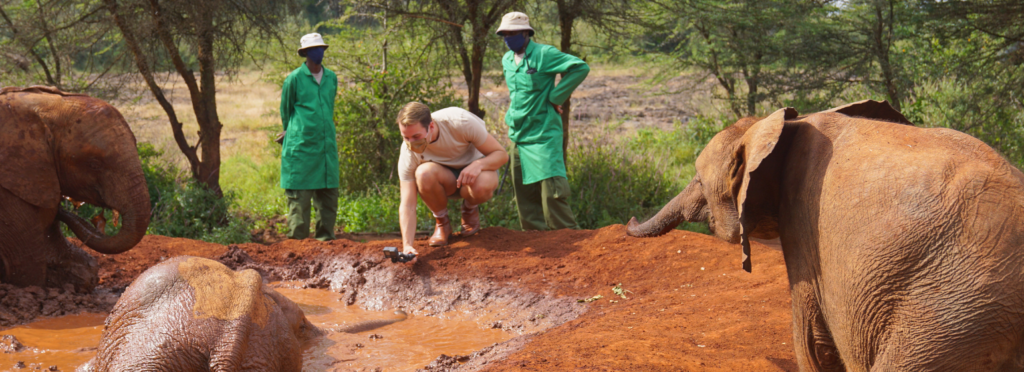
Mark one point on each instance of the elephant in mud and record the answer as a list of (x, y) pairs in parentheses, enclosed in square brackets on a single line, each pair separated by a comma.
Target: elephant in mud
[(904, 246), (195, 314), (52, 145)]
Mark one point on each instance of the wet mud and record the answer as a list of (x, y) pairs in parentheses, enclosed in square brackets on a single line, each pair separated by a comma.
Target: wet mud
[(367, 340), (685, 304)]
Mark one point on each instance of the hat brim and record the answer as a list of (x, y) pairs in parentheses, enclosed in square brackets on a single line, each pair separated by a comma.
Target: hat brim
[(513, 29), (301, 54)]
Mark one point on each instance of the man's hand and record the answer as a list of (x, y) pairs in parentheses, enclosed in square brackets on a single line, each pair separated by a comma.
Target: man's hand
[(408, 249), (469, 174), (280, 138), (557, 108)]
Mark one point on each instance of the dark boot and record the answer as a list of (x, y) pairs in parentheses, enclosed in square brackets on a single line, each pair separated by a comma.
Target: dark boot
[(470, 220), (442, 231)]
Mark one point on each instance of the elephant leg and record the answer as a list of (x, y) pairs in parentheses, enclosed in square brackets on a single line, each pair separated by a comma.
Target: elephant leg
[(23, 251), (70, 264)]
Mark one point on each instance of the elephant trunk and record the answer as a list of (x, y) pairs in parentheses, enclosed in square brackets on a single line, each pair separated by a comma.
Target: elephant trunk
[(133, 204), (689, 205)]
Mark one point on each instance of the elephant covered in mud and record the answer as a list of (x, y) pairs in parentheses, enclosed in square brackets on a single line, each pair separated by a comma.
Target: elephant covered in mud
[(195, 314), (55, 144), (904, 246)]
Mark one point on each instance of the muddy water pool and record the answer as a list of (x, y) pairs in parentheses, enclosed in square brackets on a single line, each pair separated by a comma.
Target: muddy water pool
[(402, 346), (65, 342), (69, 341)]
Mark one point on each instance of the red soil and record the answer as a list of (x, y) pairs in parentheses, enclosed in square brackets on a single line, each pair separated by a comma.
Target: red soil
[(690, 306)]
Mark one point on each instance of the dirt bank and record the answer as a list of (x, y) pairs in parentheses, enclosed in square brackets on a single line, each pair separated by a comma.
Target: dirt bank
[(688, 305)]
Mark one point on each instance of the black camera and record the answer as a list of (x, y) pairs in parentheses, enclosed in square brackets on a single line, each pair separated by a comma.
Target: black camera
[(396, 256)]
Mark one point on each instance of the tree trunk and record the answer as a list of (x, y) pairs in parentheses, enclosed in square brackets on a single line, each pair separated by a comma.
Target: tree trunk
[(147, 75), (209, 125), (566, 18), (479, 30), (202, 94), (882, 41), (476, 71), (752, 74)]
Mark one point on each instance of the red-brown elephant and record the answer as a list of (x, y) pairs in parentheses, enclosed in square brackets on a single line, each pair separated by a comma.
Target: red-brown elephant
[(904, 246), (195, 314), (53, 145)]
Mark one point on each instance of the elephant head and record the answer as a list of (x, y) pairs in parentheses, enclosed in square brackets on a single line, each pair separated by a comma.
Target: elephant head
[(749, 152), (720, 192), (58, 144)]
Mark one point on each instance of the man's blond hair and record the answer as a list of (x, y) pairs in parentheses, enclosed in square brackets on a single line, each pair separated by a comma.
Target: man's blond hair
[(414, 113)]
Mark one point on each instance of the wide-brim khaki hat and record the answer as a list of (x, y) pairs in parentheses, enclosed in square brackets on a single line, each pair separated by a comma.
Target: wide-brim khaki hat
[(311, 41), (515, 21)]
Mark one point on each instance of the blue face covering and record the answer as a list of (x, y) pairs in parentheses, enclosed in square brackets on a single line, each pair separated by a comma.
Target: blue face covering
[(515, 42), (316, 55)]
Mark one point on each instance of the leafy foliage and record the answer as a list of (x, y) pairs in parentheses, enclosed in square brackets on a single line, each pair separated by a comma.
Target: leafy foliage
[(60, 43), (187, 208), (374, 89)]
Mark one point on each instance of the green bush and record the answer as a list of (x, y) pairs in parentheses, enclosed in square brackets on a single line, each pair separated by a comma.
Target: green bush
[(371, 95), (612, 182), (195, 212), (376, 210)]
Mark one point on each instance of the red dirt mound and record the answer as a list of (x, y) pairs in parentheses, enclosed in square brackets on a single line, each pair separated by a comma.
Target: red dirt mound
[(689, 306)]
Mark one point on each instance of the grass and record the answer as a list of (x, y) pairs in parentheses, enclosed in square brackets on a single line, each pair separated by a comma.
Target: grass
[(247, 107)]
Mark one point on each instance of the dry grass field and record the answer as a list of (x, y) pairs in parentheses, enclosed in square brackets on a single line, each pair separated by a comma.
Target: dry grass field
[(615, 99), (246, 103)]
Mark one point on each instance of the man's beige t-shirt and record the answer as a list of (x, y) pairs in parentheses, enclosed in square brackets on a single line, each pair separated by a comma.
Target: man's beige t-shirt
[(460, 134)]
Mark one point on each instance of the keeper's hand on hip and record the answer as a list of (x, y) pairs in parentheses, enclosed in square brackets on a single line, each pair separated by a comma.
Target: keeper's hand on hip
[(557, 108)]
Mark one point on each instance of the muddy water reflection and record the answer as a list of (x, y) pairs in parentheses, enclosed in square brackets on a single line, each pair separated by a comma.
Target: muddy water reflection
[(402, 346), (70, 341), (65, 342)]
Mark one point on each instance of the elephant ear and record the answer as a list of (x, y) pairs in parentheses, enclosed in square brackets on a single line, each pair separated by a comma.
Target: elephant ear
[(872, 110), (756, 144), (27, 167)]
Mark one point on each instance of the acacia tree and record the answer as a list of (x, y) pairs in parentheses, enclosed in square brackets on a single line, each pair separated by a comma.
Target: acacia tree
[(466, 26), (63, 43), (872, 30), (756, 51), (612, 16), (214, 33)]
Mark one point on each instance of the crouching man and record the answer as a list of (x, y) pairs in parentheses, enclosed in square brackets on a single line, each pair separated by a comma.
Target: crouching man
[(447, 154)]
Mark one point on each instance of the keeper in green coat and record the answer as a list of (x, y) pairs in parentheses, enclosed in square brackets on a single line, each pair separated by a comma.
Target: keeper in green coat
[(309, 157), (535, 126)]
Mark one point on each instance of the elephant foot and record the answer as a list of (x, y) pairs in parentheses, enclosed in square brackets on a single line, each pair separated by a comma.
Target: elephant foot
[(24, 272), (73, 266)]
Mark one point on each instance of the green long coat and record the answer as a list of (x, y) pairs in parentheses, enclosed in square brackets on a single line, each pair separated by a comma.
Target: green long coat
[(533, 124), (309, 157)]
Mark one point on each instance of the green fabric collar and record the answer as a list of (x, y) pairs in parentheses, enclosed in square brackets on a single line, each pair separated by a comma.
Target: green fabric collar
[(529, 49)]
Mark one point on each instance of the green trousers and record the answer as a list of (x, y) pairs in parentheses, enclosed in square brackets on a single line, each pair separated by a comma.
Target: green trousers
[(326, 203), (542, 205)]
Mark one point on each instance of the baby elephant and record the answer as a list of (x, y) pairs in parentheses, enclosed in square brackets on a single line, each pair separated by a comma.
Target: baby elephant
[(195, 314)]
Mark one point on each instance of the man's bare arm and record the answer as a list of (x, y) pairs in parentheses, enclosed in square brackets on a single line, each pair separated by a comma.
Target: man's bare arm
[(407, 215), (494, 157)]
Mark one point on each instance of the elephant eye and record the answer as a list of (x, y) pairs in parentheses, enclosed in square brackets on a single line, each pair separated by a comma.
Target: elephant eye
[(95, 164), (828, 356)]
